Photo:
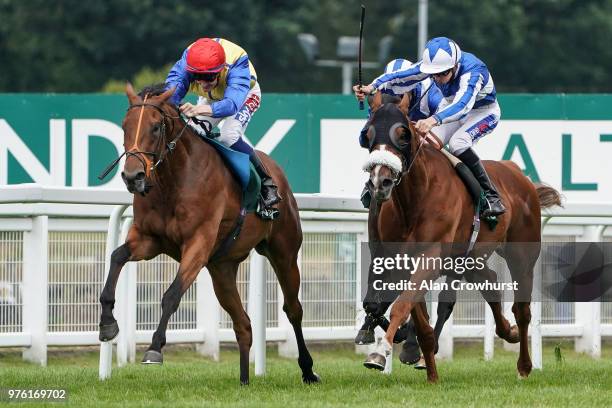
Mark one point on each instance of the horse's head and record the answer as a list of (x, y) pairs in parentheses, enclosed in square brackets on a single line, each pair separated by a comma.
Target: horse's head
[(144, 134), (389, 139)]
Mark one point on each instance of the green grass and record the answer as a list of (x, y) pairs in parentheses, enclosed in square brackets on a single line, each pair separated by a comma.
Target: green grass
[(186, 379)]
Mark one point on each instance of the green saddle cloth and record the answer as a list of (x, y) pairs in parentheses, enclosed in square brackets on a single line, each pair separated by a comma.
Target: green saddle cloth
[(250, 195)]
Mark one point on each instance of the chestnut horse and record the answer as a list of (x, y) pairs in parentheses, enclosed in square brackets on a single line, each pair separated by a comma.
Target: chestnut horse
[(419, 198), (186, 205)]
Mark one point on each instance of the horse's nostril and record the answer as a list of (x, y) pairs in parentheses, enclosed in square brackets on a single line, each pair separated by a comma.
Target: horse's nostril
[(386, 183), (140, 176)]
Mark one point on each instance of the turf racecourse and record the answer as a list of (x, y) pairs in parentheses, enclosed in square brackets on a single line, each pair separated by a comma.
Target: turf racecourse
[(189, 380)]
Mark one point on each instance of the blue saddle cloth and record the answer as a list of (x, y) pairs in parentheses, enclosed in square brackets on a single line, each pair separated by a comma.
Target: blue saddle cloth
[(243, 171)]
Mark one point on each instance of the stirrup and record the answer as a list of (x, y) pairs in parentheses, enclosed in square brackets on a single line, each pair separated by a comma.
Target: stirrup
[(489, 212), (267, 213), (271, 197)]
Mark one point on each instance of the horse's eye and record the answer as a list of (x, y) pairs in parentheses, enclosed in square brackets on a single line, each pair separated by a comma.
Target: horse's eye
[(156, 129), (371, 136), (399, 136)]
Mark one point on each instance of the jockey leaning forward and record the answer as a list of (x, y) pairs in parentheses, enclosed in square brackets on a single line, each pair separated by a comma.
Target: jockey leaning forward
[(467, 112), (220, 72), (427, 97)]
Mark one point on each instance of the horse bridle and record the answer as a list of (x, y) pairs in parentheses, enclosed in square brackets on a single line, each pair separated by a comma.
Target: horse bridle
[(139, 154)]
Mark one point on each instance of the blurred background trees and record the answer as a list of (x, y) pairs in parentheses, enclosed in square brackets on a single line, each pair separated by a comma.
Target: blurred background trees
[(80, 46)]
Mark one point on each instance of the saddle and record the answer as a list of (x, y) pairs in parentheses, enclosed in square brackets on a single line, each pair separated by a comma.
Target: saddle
[(241, 168), (470, 182)]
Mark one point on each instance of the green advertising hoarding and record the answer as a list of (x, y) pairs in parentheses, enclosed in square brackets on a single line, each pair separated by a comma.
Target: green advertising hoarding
[(66, 139)]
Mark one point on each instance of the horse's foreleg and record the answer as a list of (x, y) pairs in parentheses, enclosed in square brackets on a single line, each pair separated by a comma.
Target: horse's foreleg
[(224, 283), (426, 338), (136, 247), (399, 313), (108, 325), (193, 259)]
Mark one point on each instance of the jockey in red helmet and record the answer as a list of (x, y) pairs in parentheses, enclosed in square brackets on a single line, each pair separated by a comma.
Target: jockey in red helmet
[(220, 72)]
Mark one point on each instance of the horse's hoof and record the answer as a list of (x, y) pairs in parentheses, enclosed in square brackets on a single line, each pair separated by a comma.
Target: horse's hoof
[(365, 337), (312, 378), (420, 365), (375, 361), (244, 382), (410, 354), (514, 336), (152, 357), (108, 331), (401, 334)]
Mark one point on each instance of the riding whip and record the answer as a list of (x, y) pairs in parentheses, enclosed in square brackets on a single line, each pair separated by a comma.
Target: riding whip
[(359, 62)]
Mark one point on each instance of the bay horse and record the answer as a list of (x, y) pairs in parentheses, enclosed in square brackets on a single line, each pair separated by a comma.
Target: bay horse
[(185, 205), (419, 198)]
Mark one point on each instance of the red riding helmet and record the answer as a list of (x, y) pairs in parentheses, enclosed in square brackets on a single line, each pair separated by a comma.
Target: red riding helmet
[(204, 56)]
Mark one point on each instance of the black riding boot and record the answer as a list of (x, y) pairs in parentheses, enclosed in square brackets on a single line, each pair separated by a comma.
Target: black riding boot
[(269, 191), (471, 160)]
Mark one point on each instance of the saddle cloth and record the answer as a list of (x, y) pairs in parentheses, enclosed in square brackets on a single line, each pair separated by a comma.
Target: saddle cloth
[(243, 171)]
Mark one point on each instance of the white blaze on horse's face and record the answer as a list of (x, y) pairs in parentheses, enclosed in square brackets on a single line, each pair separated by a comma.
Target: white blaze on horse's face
[(384, 166)]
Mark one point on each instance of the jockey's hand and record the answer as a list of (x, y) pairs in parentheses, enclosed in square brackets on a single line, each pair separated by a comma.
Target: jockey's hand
[(362, 91), (423, 126), (190, 110)]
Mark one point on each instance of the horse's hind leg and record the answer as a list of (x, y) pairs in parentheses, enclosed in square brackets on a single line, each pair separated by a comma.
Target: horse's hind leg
[(521, 262), (288, 274), (224, 283), (493, 298)]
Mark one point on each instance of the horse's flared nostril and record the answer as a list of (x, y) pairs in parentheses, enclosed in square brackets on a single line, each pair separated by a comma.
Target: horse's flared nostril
[(387, 183), (133, 176)]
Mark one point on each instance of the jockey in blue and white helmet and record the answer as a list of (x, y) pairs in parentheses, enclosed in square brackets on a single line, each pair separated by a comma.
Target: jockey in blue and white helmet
[(427, 96), (427, 104), (468, 110)]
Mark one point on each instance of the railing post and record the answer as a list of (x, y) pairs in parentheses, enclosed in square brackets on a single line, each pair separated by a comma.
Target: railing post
[(112, 240), (489, 334), (360, 313), (35, 291), (208, 315), (288, 348), (257, 310), (445, 342), (123, 305), (588, 314), (535, 327)]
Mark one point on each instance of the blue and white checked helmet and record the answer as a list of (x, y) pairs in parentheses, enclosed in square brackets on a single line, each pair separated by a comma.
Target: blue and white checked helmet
[(440, 54), (397, 65)]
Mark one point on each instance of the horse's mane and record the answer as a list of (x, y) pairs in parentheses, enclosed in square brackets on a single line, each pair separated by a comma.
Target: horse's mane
[(153, 90), (156, 90)]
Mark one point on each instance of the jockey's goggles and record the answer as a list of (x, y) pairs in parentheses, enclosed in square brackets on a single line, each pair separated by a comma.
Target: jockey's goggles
[(206, 77), (443, 73)]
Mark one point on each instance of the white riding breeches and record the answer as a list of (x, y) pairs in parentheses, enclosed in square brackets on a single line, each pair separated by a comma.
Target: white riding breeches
[(462, 134), (233, 127)]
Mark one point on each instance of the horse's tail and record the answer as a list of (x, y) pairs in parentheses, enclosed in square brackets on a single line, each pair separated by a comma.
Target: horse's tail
[(547, 196)]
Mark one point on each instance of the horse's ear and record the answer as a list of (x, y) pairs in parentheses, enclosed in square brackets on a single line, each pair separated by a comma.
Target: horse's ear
[(376, 101), (166, 95), (131, 94), (411, 127), (405, 103)]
